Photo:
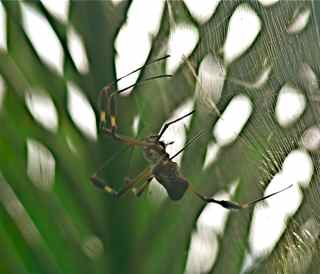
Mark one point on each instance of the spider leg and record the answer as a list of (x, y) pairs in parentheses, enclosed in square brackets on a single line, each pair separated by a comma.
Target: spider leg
[(106, 96), (264, 197), (233, 205), (165, 127), (146, 173), (144, 187), (107, 106), (103, 104), (98, 182), (124, 139)]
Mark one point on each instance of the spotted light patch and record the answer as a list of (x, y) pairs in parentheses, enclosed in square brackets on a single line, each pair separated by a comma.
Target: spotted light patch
[(244, 27), (41, 165), (81, 111), (37, 27)]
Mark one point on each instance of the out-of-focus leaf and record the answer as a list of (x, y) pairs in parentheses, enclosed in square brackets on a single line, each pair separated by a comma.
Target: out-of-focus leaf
[(82, 230)]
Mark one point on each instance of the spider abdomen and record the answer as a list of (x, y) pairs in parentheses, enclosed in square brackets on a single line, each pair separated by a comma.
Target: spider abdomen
[(166, 173)]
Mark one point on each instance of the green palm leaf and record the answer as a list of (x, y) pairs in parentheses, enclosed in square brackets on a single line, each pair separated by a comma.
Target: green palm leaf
[(55, 221)]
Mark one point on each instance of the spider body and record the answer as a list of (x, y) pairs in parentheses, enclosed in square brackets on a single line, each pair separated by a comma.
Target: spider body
[(161, 165), (154, 150), (164, 169)]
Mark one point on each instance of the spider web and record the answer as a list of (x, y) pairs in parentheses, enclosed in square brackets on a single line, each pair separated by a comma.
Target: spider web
[(259, 105), (263, 99), (277, 73)]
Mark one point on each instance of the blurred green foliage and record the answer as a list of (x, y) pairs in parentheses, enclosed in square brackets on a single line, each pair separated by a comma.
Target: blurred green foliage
[(73, 228)]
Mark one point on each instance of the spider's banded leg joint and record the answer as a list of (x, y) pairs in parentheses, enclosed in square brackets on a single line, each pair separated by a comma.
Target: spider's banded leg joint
[(103, 119), (103, 104), (100, 184), (111, 191), (113, 124), (113, 112)]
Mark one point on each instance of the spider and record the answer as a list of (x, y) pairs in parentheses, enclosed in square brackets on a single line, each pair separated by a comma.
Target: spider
[(161, 165)]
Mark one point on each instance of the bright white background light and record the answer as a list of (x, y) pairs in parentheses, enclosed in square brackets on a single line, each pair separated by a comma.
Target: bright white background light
[(37, 27), (3, 25)]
